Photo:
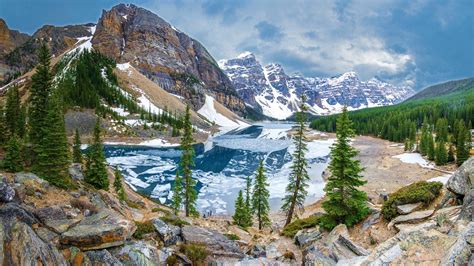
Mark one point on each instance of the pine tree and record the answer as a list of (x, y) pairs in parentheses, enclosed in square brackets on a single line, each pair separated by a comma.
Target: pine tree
[(39, 93), (187, 162), (15, 121), (76, 148), (239, 215), (3, 126), (118, 186), (52, 159), (345, 203), (441, 154), (13, 160), (462, 147), (431, 147), (298, 179), (248, 203), (260, 198), (96, 169), (424, 137), (177, 199)]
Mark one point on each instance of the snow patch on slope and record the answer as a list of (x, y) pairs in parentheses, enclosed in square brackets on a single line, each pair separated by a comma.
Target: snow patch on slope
[(209, 111), (414, 158)]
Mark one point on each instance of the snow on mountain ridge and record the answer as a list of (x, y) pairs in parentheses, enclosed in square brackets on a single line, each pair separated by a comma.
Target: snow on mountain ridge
[(276, 94)]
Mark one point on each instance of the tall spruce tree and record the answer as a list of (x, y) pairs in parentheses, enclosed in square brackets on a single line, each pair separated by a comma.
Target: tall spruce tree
[(3, 126), (260, 197), (248, 203), (424, 137), (96, 168), (52, 159), (239, 214), (442, 130), (118, 186), (177, 199), (441, 157), (346, 204), (39, 94), (187, 162), (15, 121), (451, 154), (76, 148), (431, 146), (13, 160), (298, 179), (463, 141)]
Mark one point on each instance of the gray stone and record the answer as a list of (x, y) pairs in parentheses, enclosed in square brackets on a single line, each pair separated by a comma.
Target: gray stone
[(75, 171), (216, 243), (371, 220), (257, 251), (169, 234), (307, 236), (103, 257), (47, 235), (344, 249), (61, 225), (139, 253), (333, 236), (461, 251), (22, 177), (467, 211), (411, 218), (102, 230), (75, 194), (408, 208), (7, 193), (463, 179), (312, 256), (50, 213), (271, 251)]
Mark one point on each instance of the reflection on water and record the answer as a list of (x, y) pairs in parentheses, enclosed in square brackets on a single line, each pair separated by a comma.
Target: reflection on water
[(222, 164)]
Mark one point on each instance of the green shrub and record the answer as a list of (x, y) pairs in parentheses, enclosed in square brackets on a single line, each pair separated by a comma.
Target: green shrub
[(173, 220), (291, 229), (196, 253), (172, 260), (133, 204), (143, 228), (232, 237), (422, 191), (159, 209)]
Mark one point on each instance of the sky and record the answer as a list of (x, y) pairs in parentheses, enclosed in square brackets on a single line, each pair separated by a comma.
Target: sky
[(406, 42)]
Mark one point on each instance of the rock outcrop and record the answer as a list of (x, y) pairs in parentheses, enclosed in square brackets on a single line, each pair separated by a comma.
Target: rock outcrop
[(169, 234), (169, 57), (462, 181), (7, 193), (215, 242)]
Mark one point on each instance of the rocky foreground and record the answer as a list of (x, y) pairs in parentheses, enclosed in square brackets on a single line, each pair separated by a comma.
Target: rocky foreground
[(44, 225)]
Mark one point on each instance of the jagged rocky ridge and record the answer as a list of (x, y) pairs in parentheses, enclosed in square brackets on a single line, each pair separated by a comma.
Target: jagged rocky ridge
[(130, 34), (276, 94)]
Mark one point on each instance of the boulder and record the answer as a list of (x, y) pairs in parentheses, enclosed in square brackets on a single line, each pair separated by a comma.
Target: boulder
[(371, 220), (75, 171), (463, 179), (7, 193), (411, 218), (102, 230), (19, 244), (23, 177), (461, 252), (312, 256), (271, 251), (216, 243), (169, 234), (345, 249), (50, 213), (467, 210), (307, 236), (409, 208), (139, 253), (61, 225), (333, 236), (102, 257), (257, 251)]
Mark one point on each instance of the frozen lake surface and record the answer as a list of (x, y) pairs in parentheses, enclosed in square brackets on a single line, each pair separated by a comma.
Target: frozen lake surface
[(222, 165)]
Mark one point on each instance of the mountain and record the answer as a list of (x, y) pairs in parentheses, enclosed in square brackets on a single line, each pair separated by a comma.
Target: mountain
[(444, 89), (9, 40), (169, 57), (276, 94), (132, 35)]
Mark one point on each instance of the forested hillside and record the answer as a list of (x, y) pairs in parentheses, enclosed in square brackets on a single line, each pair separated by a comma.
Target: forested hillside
[(444, 89)]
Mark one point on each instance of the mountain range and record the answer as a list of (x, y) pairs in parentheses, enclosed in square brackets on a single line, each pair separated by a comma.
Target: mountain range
[(277, 94), (182, 66)]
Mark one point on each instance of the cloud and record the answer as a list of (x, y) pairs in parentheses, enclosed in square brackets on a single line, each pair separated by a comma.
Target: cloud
[(269, 32)]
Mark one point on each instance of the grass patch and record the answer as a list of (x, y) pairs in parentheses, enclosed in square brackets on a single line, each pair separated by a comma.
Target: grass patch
[(143, 228), (159, 209), (233, 237), (133, 204), (196, 253), (291, 229), (173, 220), (421, 191)]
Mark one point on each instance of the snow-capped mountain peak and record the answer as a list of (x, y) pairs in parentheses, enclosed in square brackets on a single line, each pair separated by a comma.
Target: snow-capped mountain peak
[(276, 94)]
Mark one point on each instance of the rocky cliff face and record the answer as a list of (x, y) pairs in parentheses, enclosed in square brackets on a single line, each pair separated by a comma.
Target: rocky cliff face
[(269, 89), (164, 54), (9, 40), (22, 57)]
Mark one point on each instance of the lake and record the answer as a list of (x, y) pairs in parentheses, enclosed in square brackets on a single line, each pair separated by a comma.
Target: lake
[(222, 165)]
